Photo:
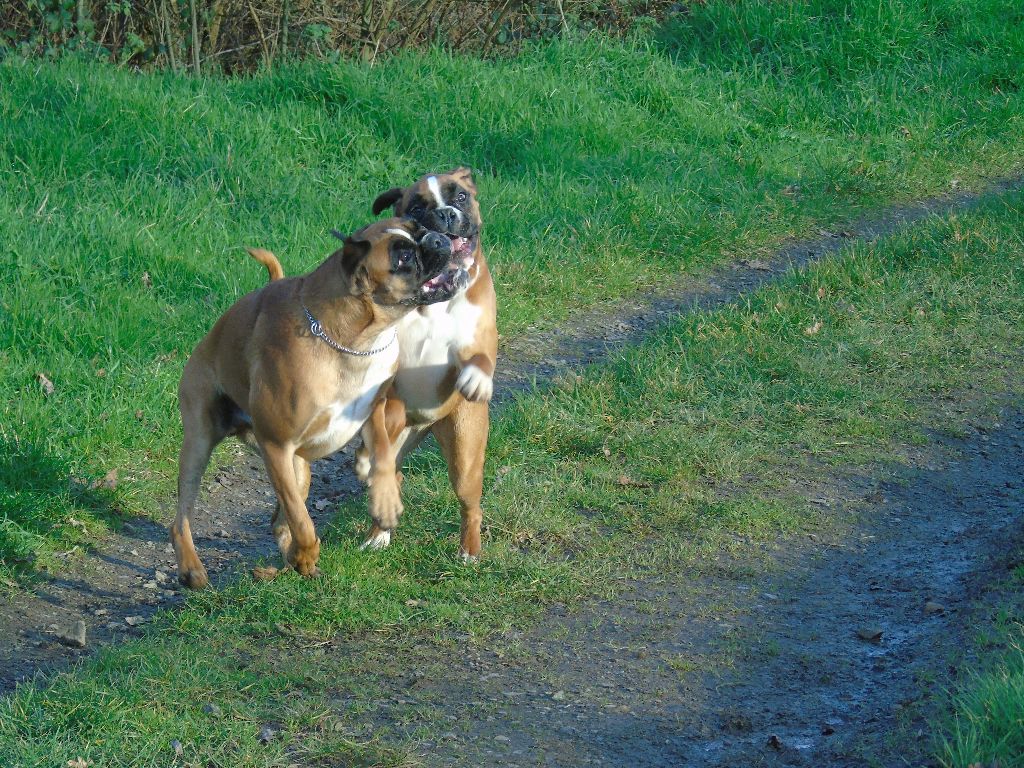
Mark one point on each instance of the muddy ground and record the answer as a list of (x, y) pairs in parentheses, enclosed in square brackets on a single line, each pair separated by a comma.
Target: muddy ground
[(829, 653), (621, 703)]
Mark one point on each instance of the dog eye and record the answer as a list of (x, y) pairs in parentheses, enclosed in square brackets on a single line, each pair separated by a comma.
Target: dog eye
[(403, 256), (461, 197), (416, 210)]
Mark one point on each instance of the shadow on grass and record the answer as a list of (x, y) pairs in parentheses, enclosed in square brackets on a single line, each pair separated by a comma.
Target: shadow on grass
[(39, 498)]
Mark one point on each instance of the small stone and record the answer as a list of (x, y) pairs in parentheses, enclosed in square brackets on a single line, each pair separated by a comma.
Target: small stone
[(558, 696), (774, 742), (179, 750), (212, 709), (74, 636), (932, 608), (134, 621), (266, 734), (503, 739), (151, 584), (160, 576), (870, 634)]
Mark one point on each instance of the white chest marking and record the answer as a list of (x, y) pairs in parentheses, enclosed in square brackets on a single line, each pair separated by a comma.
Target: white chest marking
[(429, 344), (347, 416)]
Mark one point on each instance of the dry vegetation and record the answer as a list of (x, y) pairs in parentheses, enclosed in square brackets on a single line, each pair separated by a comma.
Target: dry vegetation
[(235, 35)]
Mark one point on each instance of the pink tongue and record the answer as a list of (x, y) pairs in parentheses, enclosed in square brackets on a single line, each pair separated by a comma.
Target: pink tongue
[(457, 243)]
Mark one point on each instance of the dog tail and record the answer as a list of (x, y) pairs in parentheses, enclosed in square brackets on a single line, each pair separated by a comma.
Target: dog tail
[(268, 260)]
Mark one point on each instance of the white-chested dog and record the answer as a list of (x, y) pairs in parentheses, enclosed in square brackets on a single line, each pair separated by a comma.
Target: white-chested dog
[(298, 366), (446, 361)]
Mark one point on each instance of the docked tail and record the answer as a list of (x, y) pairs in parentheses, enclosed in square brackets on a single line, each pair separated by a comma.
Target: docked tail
[(268, 260)]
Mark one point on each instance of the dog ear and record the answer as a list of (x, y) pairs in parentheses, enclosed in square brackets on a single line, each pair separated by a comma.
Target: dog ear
[(353, 261), (387, 199), (464, 175)]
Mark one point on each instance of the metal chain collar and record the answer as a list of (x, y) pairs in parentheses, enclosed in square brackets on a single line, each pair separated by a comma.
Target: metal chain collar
[(318, 330)]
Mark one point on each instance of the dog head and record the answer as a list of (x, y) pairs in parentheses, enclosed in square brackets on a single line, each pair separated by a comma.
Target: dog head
[(397, 262), (446, 203)]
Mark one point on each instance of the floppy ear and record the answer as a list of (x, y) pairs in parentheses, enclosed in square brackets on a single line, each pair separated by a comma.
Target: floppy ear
[(353, 254), (465, 175), (387, 199)]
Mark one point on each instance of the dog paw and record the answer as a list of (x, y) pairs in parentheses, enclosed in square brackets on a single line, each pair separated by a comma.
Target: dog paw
[(194, 578), (377, 540), (362, 465), (283, 534), (386, 503), (304, 560), (467, 558), (475, 385)]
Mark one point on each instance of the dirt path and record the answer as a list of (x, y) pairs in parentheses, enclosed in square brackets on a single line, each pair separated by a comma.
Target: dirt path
[(128, 576), (747, 665)]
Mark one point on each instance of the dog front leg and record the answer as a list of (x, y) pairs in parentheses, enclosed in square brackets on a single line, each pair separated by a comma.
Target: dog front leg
[(386, 422), (476, 379), (279, 521), (303, 551)]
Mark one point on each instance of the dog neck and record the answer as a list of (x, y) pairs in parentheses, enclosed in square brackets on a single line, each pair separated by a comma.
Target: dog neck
[(353, 321)]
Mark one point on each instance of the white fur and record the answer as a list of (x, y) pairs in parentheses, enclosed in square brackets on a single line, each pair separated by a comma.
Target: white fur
[(435, 190), (402, 232), (378, 541), (474, 384), (347, 417), (363, 466), (429, 342)]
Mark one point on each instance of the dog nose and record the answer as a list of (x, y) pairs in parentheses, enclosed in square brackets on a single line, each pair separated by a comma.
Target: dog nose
[(435, 241), (445, 217)]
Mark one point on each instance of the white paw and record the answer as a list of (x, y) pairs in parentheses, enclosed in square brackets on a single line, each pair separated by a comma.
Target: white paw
[(475, 385), (362, 466), (283, 535), (467, 558), (378, 541)]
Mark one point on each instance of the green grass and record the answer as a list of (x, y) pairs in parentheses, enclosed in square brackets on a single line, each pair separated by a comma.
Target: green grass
[(604, 167), (711, 416), (987, 722)]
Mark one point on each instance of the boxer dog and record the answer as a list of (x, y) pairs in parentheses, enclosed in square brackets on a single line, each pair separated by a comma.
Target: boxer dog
[(446, 357), (296, 367)]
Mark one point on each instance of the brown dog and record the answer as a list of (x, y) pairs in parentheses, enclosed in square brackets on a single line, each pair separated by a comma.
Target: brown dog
[(446, 360), (297, 367)]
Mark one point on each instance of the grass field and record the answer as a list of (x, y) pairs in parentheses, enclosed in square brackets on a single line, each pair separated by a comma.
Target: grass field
[(604, 167), (836, 365)]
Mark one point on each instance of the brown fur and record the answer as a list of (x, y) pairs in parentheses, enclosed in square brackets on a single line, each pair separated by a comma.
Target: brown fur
[(268, 260), (261, 374), (459, 423)]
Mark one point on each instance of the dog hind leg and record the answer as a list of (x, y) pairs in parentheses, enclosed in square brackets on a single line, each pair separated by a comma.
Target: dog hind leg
[(462, 436), (202, 431)]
